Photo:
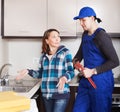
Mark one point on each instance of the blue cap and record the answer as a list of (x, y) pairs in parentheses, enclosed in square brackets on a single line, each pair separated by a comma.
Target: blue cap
[(85, 12)]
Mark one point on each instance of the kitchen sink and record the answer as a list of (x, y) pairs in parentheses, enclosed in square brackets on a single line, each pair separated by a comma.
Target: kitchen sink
[(16, 89), (19, 86)]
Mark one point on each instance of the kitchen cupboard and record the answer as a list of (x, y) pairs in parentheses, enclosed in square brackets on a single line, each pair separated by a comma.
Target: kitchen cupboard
[(30, 18), (24, 17), (60, 16)]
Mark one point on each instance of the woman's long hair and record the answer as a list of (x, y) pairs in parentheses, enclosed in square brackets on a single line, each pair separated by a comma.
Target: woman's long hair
[(45, 46)]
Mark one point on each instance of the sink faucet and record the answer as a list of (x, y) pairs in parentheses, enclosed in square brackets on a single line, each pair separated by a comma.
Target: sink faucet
[(4, 76)]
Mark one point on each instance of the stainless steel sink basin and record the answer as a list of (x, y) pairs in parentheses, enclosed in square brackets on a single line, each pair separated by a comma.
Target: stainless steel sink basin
[(19, 86), (16, 89)]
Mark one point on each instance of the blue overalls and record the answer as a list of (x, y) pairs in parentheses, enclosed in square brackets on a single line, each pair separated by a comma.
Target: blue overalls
[(89, 99)]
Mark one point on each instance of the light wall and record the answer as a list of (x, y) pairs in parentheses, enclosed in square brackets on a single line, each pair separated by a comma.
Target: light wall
[(3, 47), (3, 52), (25, 53)]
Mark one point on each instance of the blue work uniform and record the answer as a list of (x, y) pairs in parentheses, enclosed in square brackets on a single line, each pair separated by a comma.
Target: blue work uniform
[(89, 99)]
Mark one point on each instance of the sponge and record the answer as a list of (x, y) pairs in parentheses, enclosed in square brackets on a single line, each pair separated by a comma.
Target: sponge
[(12, 102)]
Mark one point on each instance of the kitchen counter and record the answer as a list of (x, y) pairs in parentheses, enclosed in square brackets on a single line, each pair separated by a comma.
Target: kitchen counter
[(77, 84), (117, 85), (73, 90), (72, 84), (37, 86)]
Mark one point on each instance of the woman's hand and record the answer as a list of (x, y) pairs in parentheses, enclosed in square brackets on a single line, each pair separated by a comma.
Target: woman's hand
[(21, 74), (61, 83)]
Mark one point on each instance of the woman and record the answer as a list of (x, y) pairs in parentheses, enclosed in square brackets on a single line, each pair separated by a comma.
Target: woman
[(99, 57), (56, 70)]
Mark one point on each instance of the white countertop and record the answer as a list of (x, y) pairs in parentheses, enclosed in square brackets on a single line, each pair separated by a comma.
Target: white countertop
[(117, 85), (77, 84)]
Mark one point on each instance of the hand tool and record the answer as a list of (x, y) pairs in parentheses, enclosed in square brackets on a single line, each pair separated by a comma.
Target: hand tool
[(80, 67)]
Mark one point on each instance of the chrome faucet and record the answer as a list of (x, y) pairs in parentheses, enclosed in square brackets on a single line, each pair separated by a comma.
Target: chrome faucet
[(4, 76)]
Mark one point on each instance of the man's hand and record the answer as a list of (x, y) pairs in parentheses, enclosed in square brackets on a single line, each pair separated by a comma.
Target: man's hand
[(89, 72)]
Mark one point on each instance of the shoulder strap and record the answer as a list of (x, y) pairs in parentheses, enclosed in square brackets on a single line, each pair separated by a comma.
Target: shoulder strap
[(98, 30), (97, 36)]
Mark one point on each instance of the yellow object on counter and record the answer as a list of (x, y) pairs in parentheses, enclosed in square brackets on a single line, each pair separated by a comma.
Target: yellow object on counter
[(12, 102)]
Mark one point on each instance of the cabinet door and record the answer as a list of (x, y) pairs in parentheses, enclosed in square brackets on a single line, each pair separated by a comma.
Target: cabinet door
[(24, 17), (60, 16), (107, 10)]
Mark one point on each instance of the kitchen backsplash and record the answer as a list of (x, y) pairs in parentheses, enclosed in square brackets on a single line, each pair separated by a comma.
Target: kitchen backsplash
[(24, 53)]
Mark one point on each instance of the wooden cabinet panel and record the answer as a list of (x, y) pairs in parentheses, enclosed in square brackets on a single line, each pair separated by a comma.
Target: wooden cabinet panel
[(24, 17), (116, 90), (30, 18), (60, 16)]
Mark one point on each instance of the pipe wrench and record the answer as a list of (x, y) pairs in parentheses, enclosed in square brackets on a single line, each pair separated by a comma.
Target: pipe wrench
[(79, 67)]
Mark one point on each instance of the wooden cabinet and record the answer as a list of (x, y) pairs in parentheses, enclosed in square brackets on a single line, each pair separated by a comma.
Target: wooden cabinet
[(116, 90), (24, 17), (60, 16), (30, 18)]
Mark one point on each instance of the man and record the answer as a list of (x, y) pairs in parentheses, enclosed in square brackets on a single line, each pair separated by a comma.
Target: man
[(99, 57)]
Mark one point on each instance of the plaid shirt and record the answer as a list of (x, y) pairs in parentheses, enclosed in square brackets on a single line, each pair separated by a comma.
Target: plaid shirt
[(51, 70)]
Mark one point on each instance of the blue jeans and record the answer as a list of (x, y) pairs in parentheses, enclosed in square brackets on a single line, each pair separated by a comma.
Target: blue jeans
[(55, 105)]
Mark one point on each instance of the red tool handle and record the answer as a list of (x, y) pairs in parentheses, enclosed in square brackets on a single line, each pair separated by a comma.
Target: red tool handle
[(78, 66)]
